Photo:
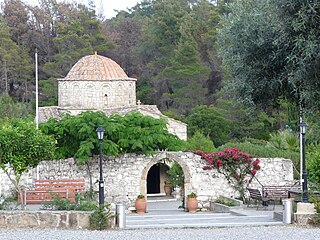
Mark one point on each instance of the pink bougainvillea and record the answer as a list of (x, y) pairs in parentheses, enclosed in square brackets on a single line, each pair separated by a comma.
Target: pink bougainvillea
[(238, 167)]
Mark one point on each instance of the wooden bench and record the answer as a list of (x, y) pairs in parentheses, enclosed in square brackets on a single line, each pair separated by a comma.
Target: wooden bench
[(277, 193), (258, 198), (45, 190)]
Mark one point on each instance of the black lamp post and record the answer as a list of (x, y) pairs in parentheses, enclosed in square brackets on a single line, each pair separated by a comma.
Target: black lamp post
[(303, 130), (100, 132)]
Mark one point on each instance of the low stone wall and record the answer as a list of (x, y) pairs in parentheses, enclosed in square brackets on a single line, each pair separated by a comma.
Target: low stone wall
[(126, 176), (45, 219)]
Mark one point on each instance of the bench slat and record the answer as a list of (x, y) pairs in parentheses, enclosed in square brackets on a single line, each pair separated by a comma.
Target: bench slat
[(46, 189)]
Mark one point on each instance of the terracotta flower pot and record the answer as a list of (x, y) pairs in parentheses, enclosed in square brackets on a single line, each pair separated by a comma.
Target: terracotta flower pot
[(192, 205), (167, 189), (141, 205)]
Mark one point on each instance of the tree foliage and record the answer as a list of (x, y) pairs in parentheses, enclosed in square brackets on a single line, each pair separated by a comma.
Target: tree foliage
[(133, 133), (13, 109), (22, 146), (272, 50), (210, 121), (313, 164), (15, 68), (200, 142)]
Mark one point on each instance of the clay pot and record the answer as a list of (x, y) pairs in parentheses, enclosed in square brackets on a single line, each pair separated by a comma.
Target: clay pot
[(167, 190), (141, 205), (192, 204)]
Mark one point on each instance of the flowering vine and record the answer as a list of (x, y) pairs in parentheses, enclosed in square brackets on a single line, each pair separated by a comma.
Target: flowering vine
[(239, 168)]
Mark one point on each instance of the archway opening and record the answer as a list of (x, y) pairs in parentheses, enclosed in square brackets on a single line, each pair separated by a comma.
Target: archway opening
[(157, 175)]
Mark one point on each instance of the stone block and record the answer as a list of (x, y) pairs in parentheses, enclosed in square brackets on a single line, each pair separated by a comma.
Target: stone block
[(305, 208), (219, 208), (22, 219), (2, 220), (73, 219), (48, 220), (83, 219), (303, 219)]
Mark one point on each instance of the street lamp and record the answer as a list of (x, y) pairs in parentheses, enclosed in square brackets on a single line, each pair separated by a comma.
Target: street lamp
[(100, 132), (303, 130)]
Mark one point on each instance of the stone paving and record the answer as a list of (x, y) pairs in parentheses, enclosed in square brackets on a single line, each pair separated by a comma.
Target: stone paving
[(166, 214)]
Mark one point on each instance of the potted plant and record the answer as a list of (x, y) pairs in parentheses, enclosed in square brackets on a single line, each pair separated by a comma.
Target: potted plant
[(192, 202), (176, 179), (167, 188), (141, 204)]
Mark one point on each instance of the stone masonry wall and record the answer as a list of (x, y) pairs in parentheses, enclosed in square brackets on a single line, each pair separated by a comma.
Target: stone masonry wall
[(126, 176), (96, 94)]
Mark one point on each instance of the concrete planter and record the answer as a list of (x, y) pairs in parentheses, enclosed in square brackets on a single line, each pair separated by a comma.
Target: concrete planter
[(221, 208)]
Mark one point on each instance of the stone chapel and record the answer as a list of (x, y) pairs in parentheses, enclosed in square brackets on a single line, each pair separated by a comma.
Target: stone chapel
[(98, 83)]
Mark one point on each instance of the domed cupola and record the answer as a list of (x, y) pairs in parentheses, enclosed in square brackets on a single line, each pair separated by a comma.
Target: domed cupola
[(94, 83)]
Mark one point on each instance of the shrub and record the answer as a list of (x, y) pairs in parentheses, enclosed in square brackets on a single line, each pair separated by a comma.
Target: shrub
[(100, 219), (176, 176), (200, 142), (224, 202), (192, 195), (313, 163), (8, 203), (87, 206), (59, 203), (238, 167), (140, 196), (316, 201)]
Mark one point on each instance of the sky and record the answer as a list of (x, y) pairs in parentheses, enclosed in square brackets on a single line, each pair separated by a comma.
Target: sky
[(108, 5)]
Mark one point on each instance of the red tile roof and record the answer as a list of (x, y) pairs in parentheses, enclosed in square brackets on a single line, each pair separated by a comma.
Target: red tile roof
[(96, 67)]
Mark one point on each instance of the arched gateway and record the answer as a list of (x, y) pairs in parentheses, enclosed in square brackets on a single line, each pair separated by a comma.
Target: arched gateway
[(148, 170)]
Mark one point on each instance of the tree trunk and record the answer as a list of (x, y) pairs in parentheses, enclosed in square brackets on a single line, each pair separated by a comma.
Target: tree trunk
[(15, 182)]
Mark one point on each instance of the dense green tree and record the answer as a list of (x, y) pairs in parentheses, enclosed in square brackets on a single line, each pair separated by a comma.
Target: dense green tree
[(246, 40), (22, 146), (161, 32), (16, 16), (125, 31), (272, 50), (206, 17), (134, 132), (76, 37), (13, 109), (200, 142), (210, 121), (247, 122), (184, 74), (298, 24), (15, 68)]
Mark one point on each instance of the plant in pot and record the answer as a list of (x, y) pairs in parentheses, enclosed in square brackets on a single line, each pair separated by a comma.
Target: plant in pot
[(192, 202), (141, 204), (167, 188), (176, 179)]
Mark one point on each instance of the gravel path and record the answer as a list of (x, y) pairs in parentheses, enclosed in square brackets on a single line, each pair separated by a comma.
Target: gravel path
[(236, 233)]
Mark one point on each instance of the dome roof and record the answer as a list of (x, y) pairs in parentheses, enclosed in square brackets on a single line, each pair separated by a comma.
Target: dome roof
[(96, 67)]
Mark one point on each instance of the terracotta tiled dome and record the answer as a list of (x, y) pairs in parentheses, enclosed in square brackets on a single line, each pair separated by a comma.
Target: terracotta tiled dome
[(96, 67)]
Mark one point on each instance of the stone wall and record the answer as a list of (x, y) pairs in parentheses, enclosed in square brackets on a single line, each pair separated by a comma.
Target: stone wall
[(46, 219), (126, 176), (75, 94)]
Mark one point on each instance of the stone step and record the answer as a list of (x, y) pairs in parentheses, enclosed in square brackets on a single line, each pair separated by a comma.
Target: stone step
[(197, 220)]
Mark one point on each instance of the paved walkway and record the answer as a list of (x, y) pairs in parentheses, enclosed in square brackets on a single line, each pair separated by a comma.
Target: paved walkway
[(166, 214)]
